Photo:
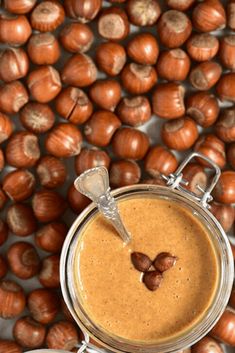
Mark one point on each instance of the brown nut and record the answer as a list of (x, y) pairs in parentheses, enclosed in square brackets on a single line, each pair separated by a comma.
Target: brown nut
[(129, 143), (91, 158), (179, 134), (123, 173), (227, 52), (180, 5), (174, 28), (152, 279), (168, 100), (47, 16), (225, 126), (14, 64), (143, 49), (6, 127), (76, 200), (225, 328), (19, 6), (160, 160), (106, 93), (51, 237), (12, 299), (10, 347), (203, 107), (110, 57), (2, 160), (143, 12), (231, 154), (164, 261), (209, 16), (13, 96), (62, 335), (134, 111), (205, 75), (224, 214), (20, 219), (202, 47), (207, 345), (3, 267), (48, 205), (22, 150), (211, 147), (64, 141), (113, 24), (37, 117), (101, 127), (51, 172), (29, 333), (226, 87), (76, 37), (196, 177), (231, 14), (49, 275), (79, 70), (43, 49), (173, 65), (84, 10), (3, 232), (138, 79), (19, 184), (14, 30), (23, 260), (224, 190), (141, 261), (44, 83)]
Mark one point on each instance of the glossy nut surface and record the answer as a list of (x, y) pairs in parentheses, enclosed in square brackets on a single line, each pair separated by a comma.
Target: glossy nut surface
[(13, 96), (213, 148), (29, 333), (196, 177), (227, 52), (76, 37), (143, 49), (43, 49), (134, 111), (110, 57), (202, 47), (49, 274), (20, 219), (224, 329), (10, 346), (224, 214), (19, 6), (47, 16), (226, 87), (48, 205), (173, 65), (14, 30), (50, 237), (91, 158), (225, 126), (62, 335), (84, 10), (159, 160), (12, 299), (6, 127), (76, 200), (124, 172), (19, 184), (209, 16), (106, 94), (51, 172), (225, 188), (205, 75), (181, 5), (14, 64)]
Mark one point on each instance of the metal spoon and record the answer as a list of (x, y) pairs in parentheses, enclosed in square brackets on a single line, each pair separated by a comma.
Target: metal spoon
[(94, 183)]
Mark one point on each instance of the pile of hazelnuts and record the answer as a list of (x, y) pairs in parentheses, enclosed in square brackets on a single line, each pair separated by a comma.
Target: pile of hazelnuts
[(78, 79)]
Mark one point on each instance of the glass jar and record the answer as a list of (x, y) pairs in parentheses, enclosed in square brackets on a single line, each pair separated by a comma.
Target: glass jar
[(198, 206)]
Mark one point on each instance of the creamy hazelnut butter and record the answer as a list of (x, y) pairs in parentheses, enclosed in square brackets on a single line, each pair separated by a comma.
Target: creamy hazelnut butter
[(111, 290)]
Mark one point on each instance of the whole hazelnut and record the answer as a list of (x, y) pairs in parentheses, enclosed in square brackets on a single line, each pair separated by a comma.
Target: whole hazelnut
[(196, 177), (168, 100), (76, 37), (29, 333), (19, 184), (143, 12), (123, 173), (206, 345), (91, 158), (62, 335), (43, 49), (101, 127), (23, 260), (44, 83), (3, 232), (134, 111), (84, 10), (227, 52), (48, 205), (160, 160), (224, 328), (180, 5), (224, 213), (51, 172), (173, 65), (224, 190), (213, 148), (205, 75), (6, 127), (37, 117), (76, 200), (13, 96), (231, 154), (12, 299), (14, 64), (19, 6), (3, 267), (202, 47), (49, 275), (209, 16), (21, 220), (50, 237), (113, 24), (110, 57), (143, 49), (47, 16), (106, 93), (129, 143), (14, 30), (10, 346), (225, 126), (64, 141), (226, 87)]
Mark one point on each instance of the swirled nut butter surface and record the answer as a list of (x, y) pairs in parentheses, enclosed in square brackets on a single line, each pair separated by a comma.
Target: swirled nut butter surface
[(111, 289)]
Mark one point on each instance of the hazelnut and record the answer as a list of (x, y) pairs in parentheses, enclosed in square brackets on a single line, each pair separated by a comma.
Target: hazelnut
[(49, 275), (196, 177), (62, 335), (22, 150), (110, 57), (226, 87), (101, 127), (91, 158), (227, 52), (143, 49), (179, 134), (129, 143), (12, 299), (206, 345), (180, 5), (44, 83), (164, 261), (225, 126), (124, 172), (211, 147), (113, 24), (160, 160), (76, 200), (209, 16), (37, 117), (141, 261), (43, 49), (6, 127), (14, 30), (205, 75), (224, 214), (84, 11), (43, 305), (29, 333), (138, 79), (48, 205), (14, 64), (106, 94), (143, 12), (47, 16), (134, 111), (23, 260), (51, 237), (79, 70), (9, 346), (203, 107), (21, 220), (231, 154), (202, 47), (174, 28), (13, 96), (76, 37), (224, 190), (19, 7), (2, 160), (64, 141), (152, 280), (3, 232), (51, 172), (19, 184), (3, 267), (225, 328), (168, 100), (231, 14), (173, 65)]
